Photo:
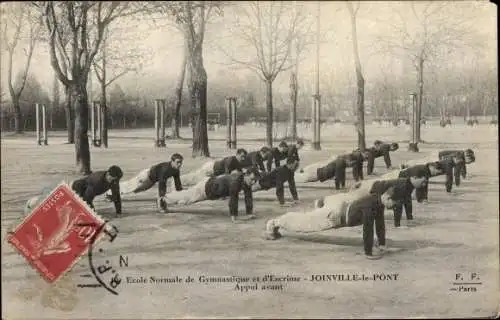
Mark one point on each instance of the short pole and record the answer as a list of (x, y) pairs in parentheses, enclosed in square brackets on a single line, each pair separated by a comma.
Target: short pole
[(96, 123), (37, 114), (233, 122), (162, 123), (44, 125), (229, 123)]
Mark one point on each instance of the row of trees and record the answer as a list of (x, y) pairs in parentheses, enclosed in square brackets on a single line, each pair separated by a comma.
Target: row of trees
[(78, 35)]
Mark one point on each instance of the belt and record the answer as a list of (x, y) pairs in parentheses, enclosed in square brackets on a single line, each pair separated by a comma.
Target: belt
[(344, 216)]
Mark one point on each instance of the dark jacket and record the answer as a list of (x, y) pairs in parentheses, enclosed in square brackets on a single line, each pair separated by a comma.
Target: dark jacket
[(374, 152), (355, 160), (421, 170), (254, 159), (276, 179), (95, 184), (293, 153), (230, 185), (335, 169), (399, 190), (227, 165), (274, 156), (160, 173)]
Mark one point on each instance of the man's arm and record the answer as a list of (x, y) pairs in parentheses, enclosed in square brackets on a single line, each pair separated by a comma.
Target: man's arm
[(387, 156), (280, 193), (162, 183), (89, 195), (115, 193), (177, 181), (292, 187), (269, 160), (235, 186), (248, 199)]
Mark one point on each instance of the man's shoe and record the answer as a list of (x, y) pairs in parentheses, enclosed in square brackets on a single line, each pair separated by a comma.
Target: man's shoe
[(162, 205), (108, 197), (233, 219), (272, 231), (372, 256)]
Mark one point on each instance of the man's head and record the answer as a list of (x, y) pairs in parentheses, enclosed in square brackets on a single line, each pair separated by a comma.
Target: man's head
[(394, 146), (299, 144), (265, 151), (251, 176), (241, 154), (283, 147), (176, 161), (470, 157), (292, 163), (114, 173)]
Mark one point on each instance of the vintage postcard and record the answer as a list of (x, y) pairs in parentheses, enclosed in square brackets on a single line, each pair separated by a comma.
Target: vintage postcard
[(253, 159)]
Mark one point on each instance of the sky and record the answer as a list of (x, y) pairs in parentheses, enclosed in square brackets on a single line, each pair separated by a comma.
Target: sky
[(161, 46)]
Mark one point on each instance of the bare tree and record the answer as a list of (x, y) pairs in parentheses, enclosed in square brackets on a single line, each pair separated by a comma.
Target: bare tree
[(269, 28), (178, 94), (360, 80), (111, 63), (21, 28), (192, 18), (424, 32), (86, 23)]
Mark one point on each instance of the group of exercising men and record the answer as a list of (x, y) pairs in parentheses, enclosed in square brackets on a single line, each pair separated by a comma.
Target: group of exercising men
[(251, 172)]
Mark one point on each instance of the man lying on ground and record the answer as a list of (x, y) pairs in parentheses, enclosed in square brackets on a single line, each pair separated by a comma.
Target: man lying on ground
[(148, 177), (217, 187), (216, 168), (380, 149), (88, 187), (255, 159), (277, 178)]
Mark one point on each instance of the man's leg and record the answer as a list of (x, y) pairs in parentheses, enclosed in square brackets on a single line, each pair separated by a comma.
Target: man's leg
[(380, 226), (139, 183), (464, 171), (408, 206), (313, 221), (370, 164), (398, 212), (368, 224), (188, 196), (309, 173), (196, 176)]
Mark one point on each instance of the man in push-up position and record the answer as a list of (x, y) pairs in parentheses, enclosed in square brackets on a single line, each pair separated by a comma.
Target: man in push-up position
[(256, 159), (90, 186), (148, 177), (355, 208), (216, 168), (277, 178), (324, 170), (217, 187), (380, 149), (466, 157)]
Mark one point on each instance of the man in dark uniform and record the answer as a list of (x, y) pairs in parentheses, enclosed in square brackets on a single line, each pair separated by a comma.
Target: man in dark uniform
[(466, 156), (218, 187), (216, 167), (148, 177), (255, 159), (284, 151), (97, 183), (322, 171), (380, 149), (355, 160), (277, 178)]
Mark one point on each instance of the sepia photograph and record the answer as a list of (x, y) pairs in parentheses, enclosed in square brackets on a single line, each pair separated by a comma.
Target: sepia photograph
[(249, 159)]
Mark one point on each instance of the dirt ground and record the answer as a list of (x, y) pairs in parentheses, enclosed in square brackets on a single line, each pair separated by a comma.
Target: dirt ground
[(454, 233)]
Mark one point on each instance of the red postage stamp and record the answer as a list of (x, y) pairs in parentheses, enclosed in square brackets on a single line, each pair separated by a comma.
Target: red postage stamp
[(57, 233)]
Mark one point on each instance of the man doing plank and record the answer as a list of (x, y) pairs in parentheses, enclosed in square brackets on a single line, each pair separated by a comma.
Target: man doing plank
[(277, 178), (380, 149), (217, 187), (216, 168)]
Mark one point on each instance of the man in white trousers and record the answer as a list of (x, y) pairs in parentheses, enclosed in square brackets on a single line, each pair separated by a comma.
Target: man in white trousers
[(217, 187), (215, 168), (360, 206), (148, 177)]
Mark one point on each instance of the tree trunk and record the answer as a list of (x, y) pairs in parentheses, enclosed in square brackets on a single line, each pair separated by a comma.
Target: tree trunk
[(419, 97), (293, 109), (104, 113), (18, 118), (197, 87), (178, 96), (70, 115), (81, 108), (269, 108), (360, 96)]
